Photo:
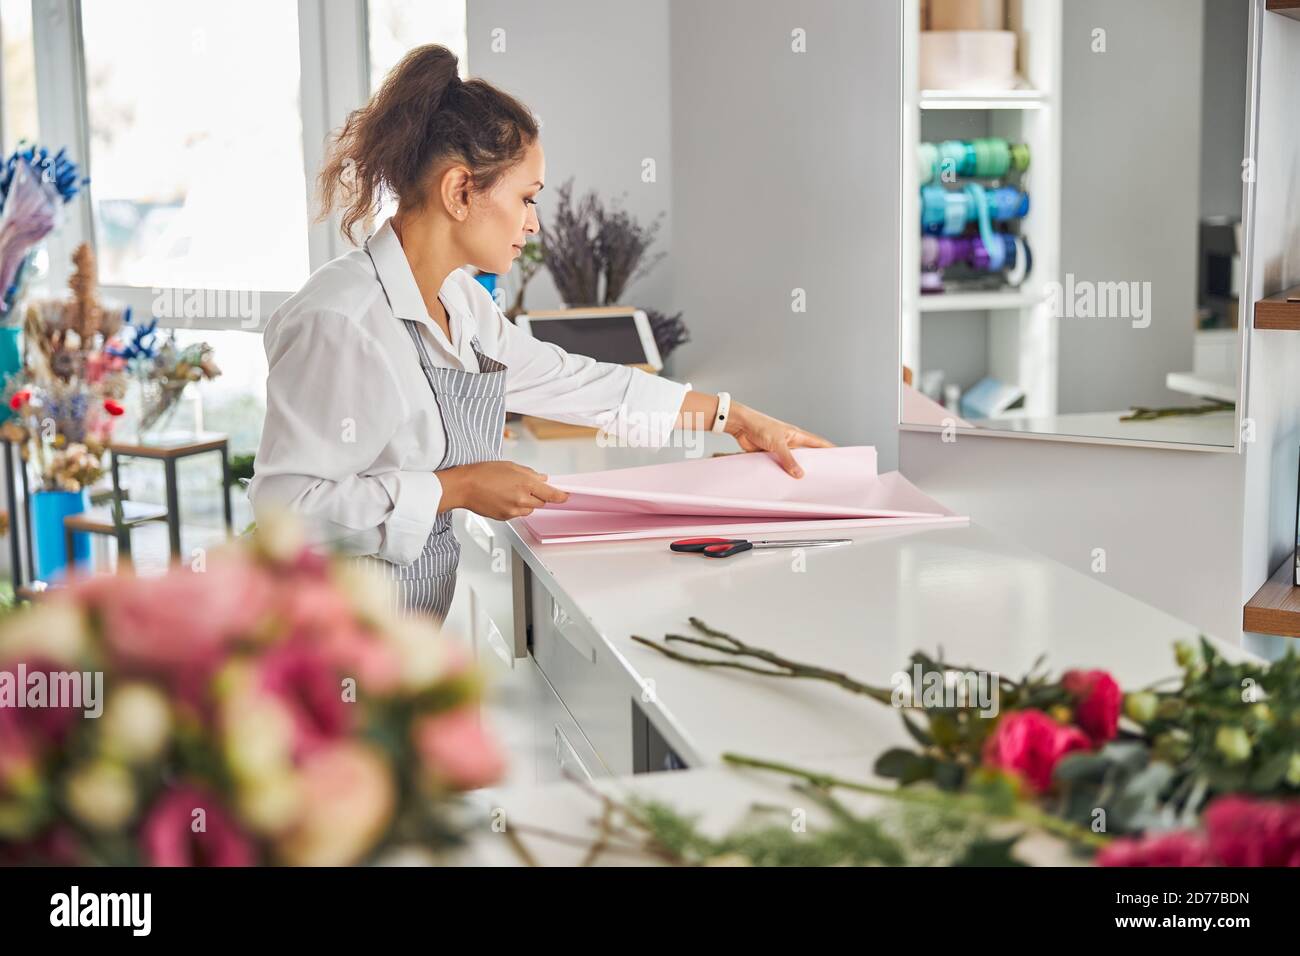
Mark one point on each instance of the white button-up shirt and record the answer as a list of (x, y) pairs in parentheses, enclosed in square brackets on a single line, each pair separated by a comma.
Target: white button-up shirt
[(353, 436)]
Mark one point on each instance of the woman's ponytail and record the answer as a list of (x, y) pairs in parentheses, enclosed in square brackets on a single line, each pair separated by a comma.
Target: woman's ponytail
[(422, 117)]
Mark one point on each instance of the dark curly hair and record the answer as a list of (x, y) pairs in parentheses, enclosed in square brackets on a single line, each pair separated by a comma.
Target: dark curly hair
[(422, 116)]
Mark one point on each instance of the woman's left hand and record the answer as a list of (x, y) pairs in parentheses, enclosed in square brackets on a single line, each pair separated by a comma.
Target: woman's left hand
[(755, 431)]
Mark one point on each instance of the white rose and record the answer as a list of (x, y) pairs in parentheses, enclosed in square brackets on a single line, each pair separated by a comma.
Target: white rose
[(101, 795), (137, 724)]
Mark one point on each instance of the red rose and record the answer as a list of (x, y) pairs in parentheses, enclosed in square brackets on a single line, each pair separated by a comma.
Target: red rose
[(1030, 744), (113, 408), (21, 398), (169, 837), (1097, 703), (1245, 832), (1183, 848)]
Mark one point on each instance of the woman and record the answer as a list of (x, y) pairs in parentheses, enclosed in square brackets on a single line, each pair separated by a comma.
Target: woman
[(392, 369)]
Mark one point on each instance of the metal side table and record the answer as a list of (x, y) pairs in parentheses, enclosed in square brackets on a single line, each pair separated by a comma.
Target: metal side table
[(169, 449)]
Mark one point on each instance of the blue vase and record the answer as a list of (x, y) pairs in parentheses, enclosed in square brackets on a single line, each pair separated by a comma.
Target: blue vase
[(11, 362), (49, 508)]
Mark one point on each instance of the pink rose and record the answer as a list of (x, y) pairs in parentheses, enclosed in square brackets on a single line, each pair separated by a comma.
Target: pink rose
[(318, 611), (1097, 703), (183, 621), (349, 798), (1242, 831), (456, 752), (39, 727), (1183, 848), (304, 683), (1029, 744), (174, 835)]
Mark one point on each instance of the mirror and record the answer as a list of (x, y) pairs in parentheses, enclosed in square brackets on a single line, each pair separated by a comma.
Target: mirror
[(1072, 222)]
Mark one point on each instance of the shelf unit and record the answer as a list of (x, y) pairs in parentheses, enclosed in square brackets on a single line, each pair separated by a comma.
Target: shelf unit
[(1288, 8), (1275, 608), (1275, 312), (1021, 331)]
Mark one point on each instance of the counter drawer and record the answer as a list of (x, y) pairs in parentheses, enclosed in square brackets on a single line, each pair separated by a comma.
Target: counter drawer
[(588, 681), (485, 566), (562, 751)]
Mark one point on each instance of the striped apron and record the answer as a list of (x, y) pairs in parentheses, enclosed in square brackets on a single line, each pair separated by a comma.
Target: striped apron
[(473, 410)]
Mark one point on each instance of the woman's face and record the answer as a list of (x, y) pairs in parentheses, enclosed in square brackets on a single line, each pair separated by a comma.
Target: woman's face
[(501, 219)]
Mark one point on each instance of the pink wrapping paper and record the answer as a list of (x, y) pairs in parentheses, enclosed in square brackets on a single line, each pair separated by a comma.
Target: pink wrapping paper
[(734, 494)]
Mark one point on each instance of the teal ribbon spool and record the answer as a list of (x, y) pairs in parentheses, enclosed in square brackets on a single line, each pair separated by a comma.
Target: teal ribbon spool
[(989, 157)]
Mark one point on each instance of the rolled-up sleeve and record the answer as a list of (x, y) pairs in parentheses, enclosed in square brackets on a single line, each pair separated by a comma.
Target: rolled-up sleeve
[(332, 405), (543, 379)]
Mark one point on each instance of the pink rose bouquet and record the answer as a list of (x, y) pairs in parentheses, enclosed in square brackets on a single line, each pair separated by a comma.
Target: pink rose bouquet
[(263, 708)]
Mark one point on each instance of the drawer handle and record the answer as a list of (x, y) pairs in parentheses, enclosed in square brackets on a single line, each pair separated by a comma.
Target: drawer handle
[(565, 626), (498, 644), (479, 530), (566, 756)]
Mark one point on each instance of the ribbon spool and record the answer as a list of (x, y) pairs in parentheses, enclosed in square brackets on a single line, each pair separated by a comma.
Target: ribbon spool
[(947, 212), (990, 157), (940, 252)]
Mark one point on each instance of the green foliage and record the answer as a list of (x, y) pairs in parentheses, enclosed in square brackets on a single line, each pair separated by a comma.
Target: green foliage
[(902, 835)]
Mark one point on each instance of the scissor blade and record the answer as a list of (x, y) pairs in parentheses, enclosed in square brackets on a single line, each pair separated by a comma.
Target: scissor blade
[(811, 543)]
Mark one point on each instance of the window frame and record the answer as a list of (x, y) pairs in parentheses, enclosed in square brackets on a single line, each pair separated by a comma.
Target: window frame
[(333, 51)]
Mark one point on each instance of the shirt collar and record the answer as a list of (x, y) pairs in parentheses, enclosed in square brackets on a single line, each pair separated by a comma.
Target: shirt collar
[(394, 272)]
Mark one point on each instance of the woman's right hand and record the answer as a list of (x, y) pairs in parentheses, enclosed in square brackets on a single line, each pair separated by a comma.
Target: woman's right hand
[(496, 489)]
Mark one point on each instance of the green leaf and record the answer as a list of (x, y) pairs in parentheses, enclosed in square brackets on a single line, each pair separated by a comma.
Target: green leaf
[(990, 852), (1080, 766), (904, 765), (1269, 774), (948, 775)]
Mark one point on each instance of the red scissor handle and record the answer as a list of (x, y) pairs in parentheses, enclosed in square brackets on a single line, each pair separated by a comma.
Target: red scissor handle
[(711, 547), (697, 544), (726, 550)]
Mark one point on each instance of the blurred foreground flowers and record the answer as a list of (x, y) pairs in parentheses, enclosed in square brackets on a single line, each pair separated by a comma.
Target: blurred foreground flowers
[(265, 707)]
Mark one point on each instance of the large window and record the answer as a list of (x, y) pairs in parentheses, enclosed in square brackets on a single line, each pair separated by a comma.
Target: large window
[(17, 73), (196, 151), (395, 26), (204, 123)]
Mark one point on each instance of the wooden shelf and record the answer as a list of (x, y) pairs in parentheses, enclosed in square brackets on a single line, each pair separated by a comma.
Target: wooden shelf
[(1290, 8), (1275, 312), (1275, 608)]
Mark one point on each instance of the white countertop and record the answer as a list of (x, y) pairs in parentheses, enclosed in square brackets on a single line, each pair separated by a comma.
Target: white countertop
[(861, 608)]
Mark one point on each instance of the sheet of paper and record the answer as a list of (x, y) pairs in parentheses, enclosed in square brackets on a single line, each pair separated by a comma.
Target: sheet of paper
[(911, 506), (837, 483)]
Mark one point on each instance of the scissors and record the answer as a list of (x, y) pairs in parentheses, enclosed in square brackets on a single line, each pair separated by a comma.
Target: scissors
[(726, 547)]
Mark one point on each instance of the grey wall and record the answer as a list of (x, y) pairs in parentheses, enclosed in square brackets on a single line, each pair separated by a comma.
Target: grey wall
[(1223, 106), (787, 176), (1130, 194), (767, 185), (596, 72)]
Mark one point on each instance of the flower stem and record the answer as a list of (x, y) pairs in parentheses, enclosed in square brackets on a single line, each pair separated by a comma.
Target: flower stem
[(1023, 813)]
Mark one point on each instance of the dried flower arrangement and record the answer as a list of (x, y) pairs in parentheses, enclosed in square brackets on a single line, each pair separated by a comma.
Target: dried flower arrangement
[(594, 253), (68, 396)]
